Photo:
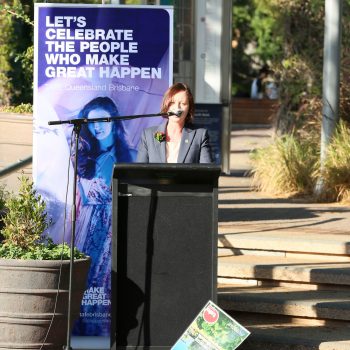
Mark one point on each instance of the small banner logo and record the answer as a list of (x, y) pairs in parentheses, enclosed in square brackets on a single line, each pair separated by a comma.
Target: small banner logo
[(210, 314)]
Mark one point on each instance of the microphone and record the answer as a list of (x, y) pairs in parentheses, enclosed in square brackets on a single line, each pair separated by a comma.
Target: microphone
[(177, 113)]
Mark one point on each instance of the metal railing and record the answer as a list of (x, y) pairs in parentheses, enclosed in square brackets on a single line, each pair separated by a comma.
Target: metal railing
[(15, 166)]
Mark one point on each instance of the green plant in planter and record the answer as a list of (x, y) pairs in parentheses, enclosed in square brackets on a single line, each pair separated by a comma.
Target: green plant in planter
[(35, 276), (3, 197), (24, 222)]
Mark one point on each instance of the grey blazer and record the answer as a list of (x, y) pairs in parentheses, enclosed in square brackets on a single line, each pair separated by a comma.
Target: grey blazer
[(194, 146)]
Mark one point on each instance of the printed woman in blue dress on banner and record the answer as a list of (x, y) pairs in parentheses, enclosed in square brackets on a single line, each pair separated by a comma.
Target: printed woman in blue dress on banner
[(101, 145)]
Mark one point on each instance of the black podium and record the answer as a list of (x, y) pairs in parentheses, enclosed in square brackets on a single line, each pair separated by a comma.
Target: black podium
[(164, 261)]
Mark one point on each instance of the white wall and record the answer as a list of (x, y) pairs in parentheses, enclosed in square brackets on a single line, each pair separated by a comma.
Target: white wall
[(208, 51)]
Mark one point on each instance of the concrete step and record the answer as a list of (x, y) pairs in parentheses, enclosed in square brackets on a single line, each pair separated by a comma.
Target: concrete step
[(320, 304), (284, 269), (272, 284), (269, 332), (294, 255), (285, 240)]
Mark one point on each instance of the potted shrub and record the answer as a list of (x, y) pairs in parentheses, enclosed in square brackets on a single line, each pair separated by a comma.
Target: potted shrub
[(34, 276)]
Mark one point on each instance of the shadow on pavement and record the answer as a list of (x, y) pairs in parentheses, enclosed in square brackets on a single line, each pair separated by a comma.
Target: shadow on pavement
[(260, 214)]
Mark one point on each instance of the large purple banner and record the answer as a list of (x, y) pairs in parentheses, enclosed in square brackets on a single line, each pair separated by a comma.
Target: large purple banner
[(94, 62)]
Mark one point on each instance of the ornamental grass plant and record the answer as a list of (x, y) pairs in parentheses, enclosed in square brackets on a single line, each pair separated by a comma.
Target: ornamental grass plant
[(284, 167), (290, 166), (336, 169), (24, 225)]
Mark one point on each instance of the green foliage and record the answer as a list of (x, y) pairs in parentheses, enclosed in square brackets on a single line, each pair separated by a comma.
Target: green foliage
[(266, 32), (256, 41), (21, 108), (241, 37), (18, 9), (26, 218), (46, 250), (3, 196), (285, 166), (336, 167), (288, 36), (5, 66), (16, 47), (300, 65), (24, 222)]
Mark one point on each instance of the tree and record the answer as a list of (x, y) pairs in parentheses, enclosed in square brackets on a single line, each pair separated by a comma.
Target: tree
[(16, 48), (288, 35), (256, 42)]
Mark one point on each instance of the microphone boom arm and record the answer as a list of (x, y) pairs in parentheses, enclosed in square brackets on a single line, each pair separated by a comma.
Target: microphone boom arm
[(109, 119)]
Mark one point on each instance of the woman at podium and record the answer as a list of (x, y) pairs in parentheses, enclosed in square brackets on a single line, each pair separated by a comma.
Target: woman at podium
[(176, 139)]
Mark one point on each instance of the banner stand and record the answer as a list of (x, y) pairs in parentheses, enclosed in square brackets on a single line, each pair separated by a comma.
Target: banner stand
[(90, 343), (94, 61)]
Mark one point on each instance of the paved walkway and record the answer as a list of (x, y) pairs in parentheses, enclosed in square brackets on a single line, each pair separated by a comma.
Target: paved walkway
[(238, 205)]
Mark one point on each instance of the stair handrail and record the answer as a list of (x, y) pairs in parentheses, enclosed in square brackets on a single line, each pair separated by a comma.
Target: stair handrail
[(15, 166)]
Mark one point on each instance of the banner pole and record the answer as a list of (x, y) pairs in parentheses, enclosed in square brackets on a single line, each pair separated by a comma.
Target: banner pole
[(76, 129)]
